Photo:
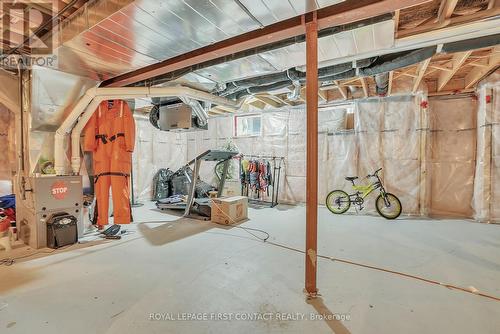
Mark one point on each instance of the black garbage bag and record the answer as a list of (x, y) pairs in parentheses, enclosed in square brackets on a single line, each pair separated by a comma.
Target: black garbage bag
[(162, 184), (181, 182)]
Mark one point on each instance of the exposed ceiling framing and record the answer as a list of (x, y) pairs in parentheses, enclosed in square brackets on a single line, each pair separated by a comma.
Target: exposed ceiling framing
[(439, 75), (442, 74)]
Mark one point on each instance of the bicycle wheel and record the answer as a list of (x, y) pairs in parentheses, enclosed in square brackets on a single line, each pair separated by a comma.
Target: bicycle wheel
[(338, 201), (390, 210)]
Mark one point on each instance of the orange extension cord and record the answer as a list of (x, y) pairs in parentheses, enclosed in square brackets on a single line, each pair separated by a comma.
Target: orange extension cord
[(394, 272), (423, 279)]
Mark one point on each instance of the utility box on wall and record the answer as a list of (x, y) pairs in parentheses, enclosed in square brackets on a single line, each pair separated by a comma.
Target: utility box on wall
[(50, 195), (178, 117)]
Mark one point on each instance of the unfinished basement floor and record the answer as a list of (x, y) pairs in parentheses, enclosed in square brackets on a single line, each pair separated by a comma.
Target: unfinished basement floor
[(166, 269)]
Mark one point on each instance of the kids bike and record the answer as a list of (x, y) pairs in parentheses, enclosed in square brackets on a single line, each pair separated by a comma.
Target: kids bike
[(387, 204)]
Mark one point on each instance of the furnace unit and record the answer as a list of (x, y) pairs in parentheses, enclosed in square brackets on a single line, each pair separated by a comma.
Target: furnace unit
[(49, 195)]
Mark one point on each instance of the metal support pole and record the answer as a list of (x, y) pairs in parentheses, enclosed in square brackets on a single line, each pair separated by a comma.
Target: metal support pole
[(312, 154)]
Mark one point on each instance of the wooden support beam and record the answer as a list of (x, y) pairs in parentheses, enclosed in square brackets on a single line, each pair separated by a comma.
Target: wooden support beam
[(440, 67), (477, 73), (454, 21), (405, 72), (283, 99), (217, 111), (323, 95), (303, 93), (311, 258), (475, 64), (456, 62), (226, 109), (342, 89), (391, 78), (268, 100), (422, 67), (396, 21), (451, 92), (258, 104), (365, 86), (446, 9)]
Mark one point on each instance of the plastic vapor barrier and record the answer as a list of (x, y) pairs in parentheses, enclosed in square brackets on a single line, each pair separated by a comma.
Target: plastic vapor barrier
[(486, 199), (7, 157), (155, 149), (388, 137), (452, 156), (439, 155)]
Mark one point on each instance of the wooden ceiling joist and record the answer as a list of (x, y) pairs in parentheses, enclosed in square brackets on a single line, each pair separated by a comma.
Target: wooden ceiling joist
[(440, 67), (217, 111), (404, 72), (365, 86), (391, 79), (258, 104), (446, 9), (457, 61), (323, 94), (422, 67), (477, 73), (396, 20), (342, 89), (226, 109), (268, 100), (453, 21)]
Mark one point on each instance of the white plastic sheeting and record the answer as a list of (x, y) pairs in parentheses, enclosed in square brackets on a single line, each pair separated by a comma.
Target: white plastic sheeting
[(155, 149), (427, 149), (452, 156), (486, 201), (7, 157), (282, 135), (388, 137)]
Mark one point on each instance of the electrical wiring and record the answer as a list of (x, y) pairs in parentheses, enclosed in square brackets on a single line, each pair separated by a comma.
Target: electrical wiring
[(367, 266)]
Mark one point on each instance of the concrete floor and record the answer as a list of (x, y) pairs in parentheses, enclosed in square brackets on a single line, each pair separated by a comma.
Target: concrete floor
[(166, 269)]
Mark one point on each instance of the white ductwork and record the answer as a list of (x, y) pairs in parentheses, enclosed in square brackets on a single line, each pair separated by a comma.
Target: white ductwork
[(89, 102), (198, 110), (9, 91)]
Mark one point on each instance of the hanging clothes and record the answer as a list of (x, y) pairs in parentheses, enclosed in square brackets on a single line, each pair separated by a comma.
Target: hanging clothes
[(254, 175), (110, 135)]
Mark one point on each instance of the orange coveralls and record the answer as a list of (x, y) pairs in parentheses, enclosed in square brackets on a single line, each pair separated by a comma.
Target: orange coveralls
[(110, 135)]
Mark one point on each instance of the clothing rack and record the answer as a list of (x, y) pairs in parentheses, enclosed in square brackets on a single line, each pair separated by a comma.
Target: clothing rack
[(276, 165)]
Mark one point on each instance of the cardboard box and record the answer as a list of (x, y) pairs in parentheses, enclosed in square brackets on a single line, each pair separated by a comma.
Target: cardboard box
[(229, 210)]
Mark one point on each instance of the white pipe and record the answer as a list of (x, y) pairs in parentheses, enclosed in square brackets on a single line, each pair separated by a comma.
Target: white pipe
[(89, 102)]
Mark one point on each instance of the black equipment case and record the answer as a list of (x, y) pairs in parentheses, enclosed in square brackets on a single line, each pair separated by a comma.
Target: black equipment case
[(61, 230)]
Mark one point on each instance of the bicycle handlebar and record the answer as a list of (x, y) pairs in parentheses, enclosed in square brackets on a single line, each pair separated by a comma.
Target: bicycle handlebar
[(374, 173)]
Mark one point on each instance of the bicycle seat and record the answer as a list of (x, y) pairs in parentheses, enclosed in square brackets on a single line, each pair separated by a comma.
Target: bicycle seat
[(351, 178)]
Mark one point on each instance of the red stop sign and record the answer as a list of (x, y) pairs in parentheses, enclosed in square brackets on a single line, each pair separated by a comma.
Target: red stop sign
[(59, 189)]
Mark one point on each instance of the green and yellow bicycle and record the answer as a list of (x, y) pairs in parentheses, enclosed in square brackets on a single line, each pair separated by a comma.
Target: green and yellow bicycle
[(387, 204)]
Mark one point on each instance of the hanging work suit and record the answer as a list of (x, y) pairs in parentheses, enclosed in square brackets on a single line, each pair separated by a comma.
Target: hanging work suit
[(110, 135)]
